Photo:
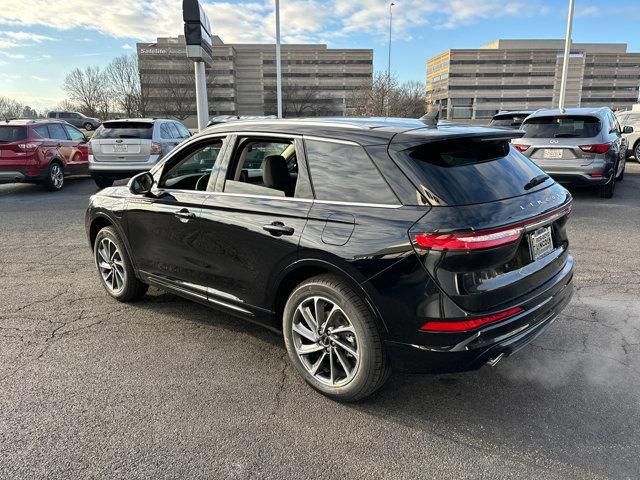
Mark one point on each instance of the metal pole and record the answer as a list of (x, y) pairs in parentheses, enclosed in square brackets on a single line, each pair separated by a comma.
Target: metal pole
[(389, 60), (202, 103), (565, 60), (278, 64)]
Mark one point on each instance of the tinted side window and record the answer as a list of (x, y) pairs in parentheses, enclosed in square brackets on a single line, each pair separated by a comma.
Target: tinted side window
[(75, 134), (42, 130), (56, 130), (165, 132), (182, 130), (345, 173), (192, 172)]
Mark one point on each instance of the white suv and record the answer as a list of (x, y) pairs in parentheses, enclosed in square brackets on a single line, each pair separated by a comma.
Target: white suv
[(123, 148)]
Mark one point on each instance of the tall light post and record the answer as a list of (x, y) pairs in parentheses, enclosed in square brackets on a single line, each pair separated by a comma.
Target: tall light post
[(565, 60), (389, 60), (278, 64)]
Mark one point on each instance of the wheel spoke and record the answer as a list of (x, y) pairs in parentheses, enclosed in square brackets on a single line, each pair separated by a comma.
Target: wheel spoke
[(320, 315), (300, 329), (104, 265), (308, 317), (316, 366), (342, 329), (345, 346), (343, 363), (331, 367), (307, 349), (103, 254)]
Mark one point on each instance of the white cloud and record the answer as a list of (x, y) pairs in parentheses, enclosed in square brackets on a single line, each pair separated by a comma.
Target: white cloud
[(126, 46), (253, 21), (33, 37), (588, 11), (39, 79), (17, 56), (9, 76)]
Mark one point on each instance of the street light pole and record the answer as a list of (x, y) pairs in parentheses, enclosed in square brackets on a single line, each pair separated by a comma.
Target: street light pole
[(278, 64), (565, 60), (389, 60)]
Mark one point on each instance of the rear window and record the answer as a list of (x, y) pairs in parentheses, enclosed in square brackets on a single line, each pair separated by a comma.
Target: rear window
[(10, 133), (142, 130), (561, 127), (465, 172), (508, 121)]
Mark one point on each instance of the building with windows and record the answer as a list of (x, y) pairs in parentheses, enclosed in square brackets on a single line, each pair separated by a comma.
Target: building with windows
[(474, 84), (317, 81)]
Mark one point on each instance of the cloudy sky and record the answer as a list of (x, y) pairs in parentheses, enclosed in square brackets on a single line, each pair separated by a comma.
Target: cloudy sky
[(41, 40)]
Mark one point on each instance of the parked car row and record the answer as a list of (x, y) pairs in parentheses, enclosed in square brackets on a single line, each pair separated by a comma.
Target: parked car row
[(46, 151), (576, 146)]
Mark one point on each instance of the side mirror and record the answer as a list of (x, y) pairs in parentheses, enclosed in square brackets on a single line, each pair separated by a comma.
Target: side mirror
[(627, 129), (141, 184)]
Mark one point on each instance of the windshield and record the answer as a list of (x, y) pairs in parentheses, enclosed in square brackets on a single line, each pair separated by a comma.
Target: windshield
[(561, 127), (11, 133), (142, 130), (508, 121), (464, 172)]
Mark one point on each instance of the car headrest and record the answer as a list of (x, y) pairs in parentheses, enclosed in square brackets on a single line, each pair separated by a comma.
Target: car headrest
[(275, 173)]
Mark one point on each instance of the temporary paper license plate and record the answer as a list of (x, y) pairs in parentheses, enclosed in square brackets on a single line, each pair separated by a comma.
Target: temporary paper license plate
[(541, 242), (552, 153), (120, 148)]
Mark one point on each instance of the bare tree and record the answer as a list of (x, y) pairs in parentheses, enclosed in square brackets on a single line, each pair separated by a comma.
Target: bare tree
[(89, 88), (124, 84), (402, 99), (299, 101), (177, 90), (10, 108)]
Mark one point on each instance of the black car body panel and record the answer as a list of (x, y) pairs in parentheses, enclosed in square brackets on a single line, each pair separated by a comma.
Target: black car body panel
[(242, 252)]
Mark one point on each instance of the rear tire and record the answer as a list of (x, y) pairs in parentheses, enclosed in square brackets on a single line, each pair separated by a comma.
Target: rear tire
[(115, 269), (103, 182), (55, 177), (607, 190), (88, 127), (636, 152), (354, 365)]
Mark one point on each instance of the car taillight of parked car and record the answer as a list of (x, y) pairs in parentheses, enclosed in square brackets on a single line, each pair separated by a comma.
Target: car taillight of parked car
[(599, 148), (156, 148), (29, 147), (521, 148)]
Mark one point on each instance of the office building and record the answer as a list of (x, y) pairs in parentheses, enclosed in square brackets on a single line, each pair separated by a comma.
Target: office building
[(317, 81), (474, 84)]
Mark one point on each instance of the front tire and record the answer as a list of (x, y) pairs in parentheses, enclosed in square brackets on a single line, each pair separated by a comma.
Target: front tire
[(115, 269), (55, 177), (333, 341), (636, 152), (88, 127), (103, 182)]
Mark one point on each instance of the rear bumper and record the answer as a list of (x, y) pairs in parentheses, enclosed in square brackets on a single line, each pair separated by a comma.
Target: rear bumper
[(117, 170), (579, 178), (21, 176), (578, 173), (477, 347)]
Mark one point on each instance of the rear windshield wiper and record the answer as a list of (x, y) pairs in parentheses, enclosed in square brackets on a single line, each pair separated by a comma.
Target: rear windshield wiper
[(536, 181)]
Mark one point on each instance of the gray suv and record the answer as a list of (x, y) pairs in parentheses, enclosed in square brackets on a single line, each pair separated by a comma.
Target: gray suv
[(123, 148), (580, 146), (77, 119)]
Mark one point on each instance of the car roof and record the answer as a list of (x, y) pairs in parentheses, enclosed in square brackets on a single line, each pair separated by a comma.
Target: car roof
[(136, 120), (365, 131), (31, 121), (513, 112), (556, 112)]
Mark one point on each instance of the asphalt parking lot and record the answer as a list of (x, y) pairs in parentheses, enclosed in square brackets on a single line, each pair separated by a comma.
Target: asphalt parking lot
[(166, 388)]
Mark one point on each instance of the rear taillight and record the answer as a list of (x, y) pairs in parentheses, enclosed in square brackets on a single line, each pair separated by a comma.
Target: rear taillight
[(521, 148), (598, 148), (468, 241), (156, 148), (29, 147), (468, 324), (89, 149)]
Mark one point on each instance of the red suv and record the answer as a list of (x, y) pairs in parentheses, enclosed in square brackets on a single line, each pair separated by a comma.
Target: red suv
[(41, 151)]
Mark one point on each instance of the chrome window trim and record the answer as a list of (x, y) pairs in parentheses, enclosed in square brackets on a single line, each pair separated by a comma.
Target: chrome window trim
[(331, 140), (306, 200)]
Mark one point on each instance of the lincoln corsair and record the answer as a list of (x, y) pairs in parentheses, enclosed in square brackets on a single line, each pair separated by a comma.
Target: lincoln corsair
[(370, 244)]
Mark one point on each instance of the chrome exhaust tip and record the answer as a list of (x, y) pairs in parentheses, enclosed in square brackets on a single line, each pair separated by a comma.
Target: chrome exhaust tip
[(492, 362)]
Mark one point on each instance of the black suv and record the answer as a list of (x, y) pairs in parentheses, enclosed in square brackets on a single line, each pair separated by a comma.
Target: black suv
[(370, 244)]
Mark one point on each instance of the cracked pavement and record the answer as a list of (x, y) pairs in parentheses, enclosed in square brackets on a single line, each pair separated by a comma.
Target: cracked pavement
[(90, 388)]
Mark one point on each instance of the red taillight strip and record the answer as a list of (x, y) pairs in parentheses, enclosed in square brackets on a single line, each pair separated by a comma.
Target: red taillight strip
[(598, 148), (486, 239), (470, 324), (521, 148)]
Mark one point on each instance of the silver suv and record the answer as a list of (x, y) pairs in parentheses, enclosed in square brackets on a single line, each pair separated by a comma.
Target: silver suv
[(123, 148), (582, 146), (632, 118), (77, 119)]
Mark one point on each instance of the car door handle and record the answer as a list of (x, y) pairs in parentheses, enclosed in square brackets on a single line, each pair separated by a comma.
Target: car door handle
[(184, 215), (278, 229)]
